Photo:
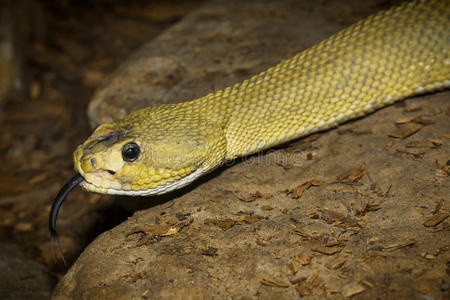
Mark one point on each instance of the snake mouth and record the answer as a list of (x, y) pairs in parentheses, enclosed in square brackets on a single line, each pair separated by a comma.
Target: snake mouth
[(100, 180)]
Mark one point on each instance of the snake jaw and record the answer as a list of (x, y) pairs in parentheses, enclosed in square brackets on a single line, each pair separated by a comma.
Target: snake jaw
[(146, 190)]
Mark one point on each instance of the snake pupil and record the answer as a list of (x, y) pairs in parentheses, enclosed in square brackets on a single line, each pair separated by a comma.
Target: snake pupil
[(130, 151)]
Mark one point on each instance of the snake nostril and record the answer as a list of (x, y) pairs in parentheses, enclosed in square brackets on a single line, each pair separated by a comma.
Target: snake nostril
[(93, 163)]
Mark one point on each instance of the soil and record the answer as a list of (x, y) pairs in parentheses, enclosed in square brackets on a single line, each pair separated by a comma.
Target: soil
[(359, 211)]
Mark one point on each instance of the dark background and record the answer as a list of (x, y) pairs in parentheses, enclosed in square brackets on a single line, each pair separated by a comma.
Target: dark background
[(54, 54)]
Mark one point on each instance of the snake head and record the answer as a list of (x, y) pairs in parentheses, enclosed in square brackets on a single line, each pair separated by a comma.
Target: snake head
[(149, 152)]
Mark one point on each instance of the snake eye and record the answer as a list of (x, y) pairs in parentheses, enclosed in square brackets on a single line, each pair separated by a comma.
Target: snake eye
[(130, 151)]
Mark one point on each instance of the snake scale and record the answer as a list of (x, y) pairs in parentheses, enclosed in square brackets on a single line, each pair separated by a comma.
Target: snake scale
[(389, 56)]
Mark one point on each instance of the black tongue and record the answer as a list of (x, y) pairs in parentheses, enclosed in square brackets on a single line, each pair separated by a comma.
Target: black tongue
[(69, 186)]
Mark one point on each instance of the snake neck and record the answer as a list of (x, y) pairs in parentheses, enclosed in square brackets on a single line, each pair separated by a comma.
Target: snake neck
[(386, 57)]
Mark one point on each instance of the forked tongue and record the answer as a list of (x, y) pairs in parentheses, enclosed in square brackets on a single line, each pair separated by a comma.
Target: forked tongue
[(70, 185)]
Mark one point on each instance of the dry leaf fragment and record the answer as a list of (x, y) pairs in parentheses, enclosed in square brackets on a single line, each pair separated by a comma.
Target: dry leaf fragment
[(251, 219), (446, 135), (404, 120), (436, 142), (303, 289), (331, 291), (159, 229), (297, 279), (400, 245), (410, 107), (210, 251), (261, 242), (224, 223), (438, 206), (424, 119), (23, 226), (331, 216), (336, 264), (216, 199), (435, 220), (355, 175), (298, 191), (404, 130), (267, 207), (362, 131), (273, 282), (248, 197), (304, 232), (293, 267), (367, 283)]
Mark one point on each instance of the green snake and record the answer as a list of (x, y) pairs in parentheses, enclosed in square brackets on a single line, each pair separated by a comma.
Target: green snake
[(389, 56)]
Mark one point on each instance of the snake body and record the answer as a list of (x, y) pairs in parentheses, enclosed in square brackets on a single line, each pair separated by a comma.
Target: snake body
[(388, 56)]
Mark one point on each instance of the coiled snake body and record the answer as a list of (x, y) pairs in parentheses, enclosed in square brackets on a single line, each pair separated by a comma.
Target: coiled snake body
[(386, 57)]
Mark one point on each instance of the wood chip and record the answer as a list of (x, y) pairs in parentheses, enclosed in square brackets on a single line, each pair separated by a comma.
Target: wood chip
[(298, 191), (352, 289), (404, 130), (273, 282), (436, 219), (446, 135)]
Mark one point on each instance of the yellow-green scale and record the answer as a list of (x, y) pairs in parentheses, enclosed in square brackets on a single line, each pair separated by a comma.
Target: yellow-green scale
[(384, 58)]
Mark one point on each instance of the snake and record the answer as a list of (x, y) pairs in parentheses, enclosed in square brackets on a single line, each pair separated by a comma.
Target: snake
[(389, 56)]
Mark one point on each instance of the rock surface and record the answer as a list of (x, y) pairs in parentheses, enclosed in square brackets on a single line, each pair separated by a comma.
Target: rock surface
[(358, 211)]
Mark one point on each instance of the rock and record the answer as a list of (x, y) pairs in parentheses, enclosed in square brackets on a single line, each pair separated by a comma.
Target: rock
[(21, 277), (215, 251)]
